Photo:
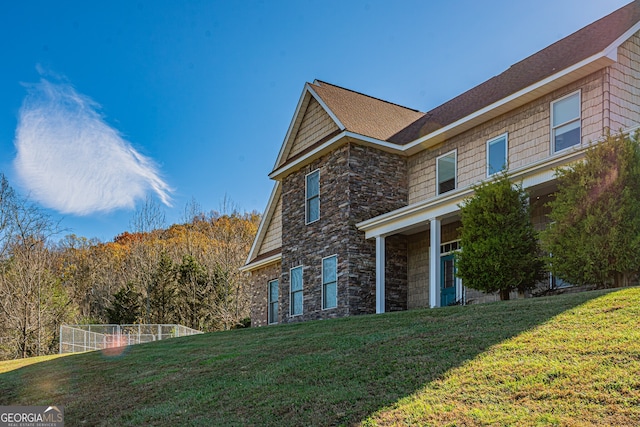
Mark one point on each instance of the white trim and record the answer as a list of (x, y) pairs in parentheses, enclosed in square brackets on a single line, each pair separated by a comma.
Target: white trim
[(434, 261), (291, 292), (262, 263), (325, 106), (323, 283), (504, 136), (446, 204), (445, 132), (552, 127), (306, 198), (455, 171), (330, 145), (380, 274), (269, 302), (309, 156), (611, 51), (303, 101), (297, 121), (264, 223), (560, 79)]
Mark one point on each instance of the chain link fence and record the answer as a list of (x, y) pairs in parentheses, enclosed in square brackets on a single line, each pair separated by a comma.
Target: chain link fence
[(79, 338)]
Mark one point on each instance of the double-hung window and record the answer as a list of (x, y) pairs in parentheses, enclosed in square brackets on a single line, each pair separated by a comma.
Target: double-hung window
[(312, 197), (496, 154), (273, 302), (296, 291), (446, 172), (565, 122), (330, 282)]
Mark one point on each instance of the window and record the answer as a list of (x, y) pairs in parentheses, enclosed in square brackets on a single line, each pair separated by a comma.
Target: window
[(496, 154), (273, 302), (565, 122), (446, 172), (296, 291), (330, 282), (313, 197)]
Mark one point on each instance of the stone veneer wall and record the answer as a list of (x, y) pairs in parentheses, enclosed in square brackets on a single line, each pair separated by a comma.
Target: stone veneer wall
[(356, 183), (377, 184), (259, 292)]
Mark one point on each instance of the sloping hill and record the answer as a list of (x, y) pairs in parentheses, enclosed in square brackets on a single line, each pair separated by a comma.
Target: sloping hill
[(564, 360)]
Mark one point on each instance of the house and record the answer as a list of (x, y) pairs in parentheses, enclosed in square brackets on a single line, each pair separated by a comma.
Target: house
[(364, 216)]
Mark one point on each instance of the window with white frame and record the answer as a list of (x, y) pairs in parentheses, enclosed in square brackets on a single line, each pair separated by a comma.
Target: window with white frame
[(273, 302), (497, 154), (296, 291), (446, 172), (330, 282), (565, 122), (312, 197)]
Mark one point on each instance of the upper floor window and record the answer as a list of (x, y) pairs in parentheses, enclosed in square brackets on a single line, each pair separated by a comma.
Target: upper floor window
[(330, 282), (496, 154), (273, 302), (565, 122), (296, 291), (446, 172), (312, 196)]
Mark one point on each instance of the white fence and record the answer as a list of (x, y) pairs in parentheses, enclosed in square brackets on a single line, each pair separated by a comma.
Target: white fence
[(78, 338)]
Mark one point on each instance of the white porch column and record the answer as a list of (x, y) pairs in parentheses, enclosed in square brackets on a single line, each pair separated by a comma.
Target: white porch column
[(434, 264), (380, 273)]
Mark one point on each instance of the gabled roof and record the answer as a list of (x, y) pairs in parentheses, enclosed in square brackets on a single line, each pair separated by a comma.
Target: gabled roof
[(352, 112), (363, 114), (573, 49)]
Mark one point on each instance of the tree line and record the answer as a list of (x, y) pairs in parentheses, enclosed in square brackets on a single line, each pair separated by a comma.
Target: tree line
[(593, 235), (184, 274)]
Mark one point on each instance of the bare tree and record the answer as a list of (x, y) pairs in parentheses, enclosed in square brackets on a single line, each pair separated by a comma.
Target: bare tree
[(32, 304)]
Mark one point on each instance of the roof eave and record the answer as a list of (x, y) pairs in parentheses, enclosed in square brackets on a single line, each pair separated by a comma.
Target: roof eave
[(335, 142), (266, 219), (262, 263), (517, 99)]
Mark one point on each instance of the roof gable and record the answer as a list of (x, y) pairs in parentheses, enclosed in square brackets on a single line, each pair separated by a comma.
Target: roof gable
[(363, 114), (257, 251)]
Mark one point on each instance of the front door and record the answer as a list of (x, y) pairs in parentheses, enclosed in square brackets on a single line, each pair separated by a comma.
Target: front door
[(447, 280)]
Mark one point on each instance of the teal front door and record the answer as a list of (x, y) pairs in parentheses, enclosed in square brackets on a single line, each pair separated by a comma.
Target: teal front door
[(447, 280)]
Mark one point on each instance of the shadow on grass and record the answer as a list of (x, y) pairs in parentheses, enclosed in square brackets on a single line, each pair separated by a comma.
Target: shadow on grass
[(334, 372)]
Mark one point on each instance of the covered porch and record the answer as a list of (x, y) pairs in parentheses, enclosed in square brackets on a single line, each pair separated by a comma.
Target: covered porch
[(430, 230)]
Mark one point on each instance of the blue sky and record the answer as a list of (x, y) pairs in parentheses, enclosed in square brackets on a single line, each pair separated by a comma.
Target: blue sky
[(103, 104)]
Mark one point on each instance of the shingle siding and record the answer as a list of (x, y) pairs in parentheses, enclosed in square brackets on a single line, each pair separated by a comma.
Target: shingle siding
[(316, 124), (625, 86), (529, 141)]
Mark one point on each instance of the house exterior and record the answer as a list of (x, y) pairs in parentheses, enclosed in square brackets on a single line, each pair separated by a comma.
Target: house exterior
[(364, 213)]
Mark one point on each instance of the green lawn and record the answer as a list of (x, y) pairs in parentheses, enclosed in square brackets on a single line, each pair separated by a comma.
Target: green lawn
[(564, 360)]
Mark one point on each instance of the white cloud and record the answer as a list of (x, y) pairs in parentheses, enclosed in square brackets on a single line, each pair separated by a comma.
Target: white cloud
[(71, 160)]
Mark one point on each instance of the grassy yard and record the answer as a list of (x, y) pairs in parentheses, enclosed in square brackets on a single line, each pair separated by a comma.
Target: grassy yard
[(564, 360)]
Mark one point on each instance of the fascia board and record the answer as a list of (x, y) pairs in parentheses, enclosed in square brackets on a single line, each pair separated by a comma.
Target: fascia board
[(611, 51), (293, 125), (439, 135), (276, 174), (332, 144), (408, 216), (264, 223), (262, 263), (328, 110)]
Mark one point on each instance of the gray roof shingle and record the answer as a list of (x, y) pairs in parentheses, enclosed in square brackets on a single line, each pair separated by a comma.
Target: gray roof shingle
[(564, 53)]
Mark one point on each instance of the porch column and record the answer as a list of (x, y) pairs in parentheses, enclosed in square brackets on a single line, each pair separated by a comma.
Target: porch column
[(434, 264), (380, 273)]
